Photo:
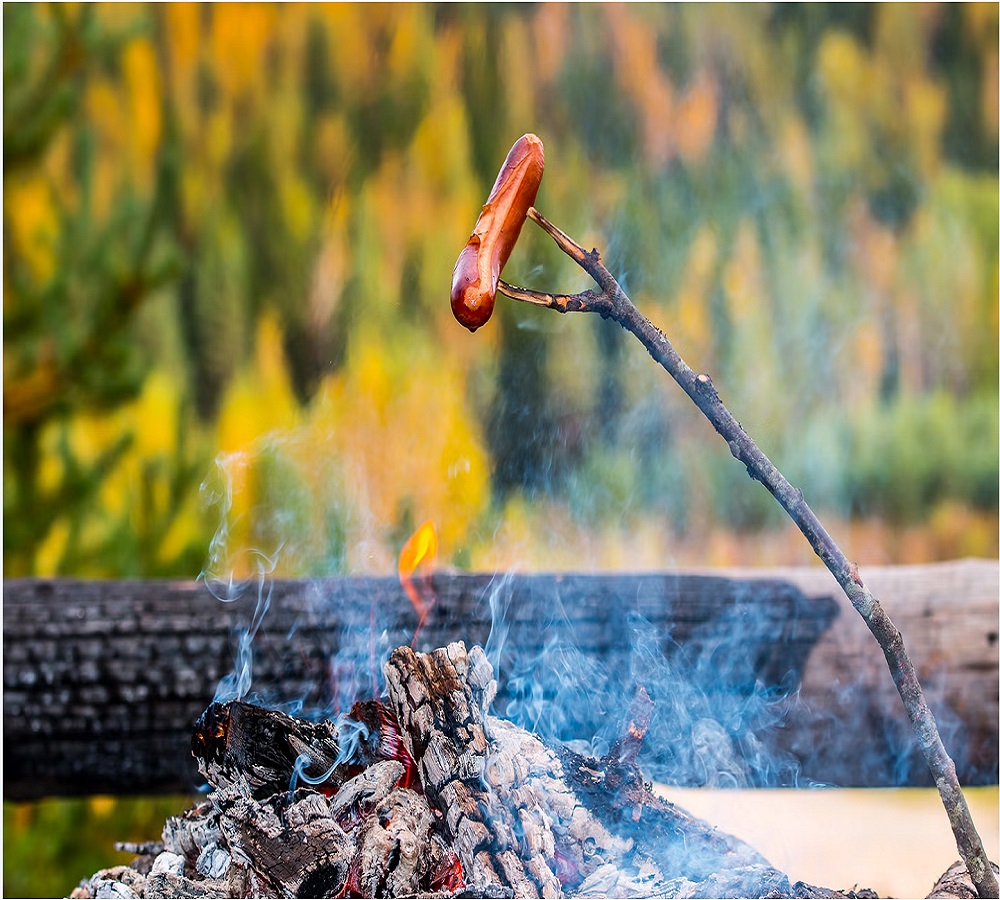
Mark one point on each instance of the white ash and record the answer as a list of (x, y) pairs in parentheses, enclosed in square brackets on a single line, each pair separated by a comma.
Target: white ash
[(213, 862), (523, 818), (168, 863)]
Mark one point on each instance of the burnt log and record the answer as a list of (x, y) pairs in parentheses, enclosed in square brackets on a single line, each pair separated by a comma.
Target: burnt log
[(493, 811), (103, 680), (538, 820), (856, 734)]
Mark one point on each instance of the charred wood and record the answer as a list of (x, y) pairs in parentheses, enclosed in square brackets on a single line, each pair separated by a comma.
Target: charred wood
[(240, 740), (103, 680), (488, 810)]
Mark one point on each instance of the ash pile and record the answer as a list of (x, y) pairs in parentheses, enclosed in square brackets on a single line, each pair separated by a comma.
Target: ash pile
[(426, 794)]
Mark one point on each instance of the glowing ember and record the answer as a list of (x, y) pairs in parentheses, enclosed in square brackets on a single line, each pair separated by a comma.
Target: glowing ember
[(495, 811), (450, 876), (391, 746)]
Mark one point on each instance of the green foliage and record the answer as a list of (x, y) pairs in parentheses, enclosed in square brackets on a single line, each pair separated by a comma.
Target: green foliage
[(804, 197), (76, 283), (907, 457), (49, 846)]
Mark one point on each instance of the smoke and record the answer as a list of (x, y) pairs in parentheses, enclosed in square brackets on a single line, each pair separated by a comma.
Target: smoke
[(277, 518), (350, 734), (567, 674), (548, 688), (721, 686), (220, 578)]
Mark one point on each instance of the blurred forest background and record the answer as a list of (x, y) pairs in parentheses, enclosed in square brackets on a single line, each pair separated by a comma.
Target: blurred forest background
[(229, 233), (228, 240)]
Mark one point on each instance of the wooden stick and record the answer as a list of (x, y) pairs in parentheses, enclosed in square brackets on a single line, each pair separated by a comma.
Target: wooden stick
[(613, 303)]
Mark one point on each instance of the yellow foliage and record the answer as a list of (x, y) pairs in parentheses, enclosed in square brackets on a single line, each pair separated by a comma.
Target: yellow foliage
[(240, 34), (236, 493), (261, 400), (185, 525), (50, 470), (192, 191), (397, 427), (693, 319), (672, 121), (395, 423), (350, 46), (702, 258), (284, 124), (989, 103), (926, 109), (104, 108), (634, 54), (843, 69), (298, 205), (219, 139), (874, 250), (52, 548), (142, 80), (259, 403), (957, 532), (101, 806), (867, 356), (440, 146), (519, 80), (31, 215), (332, 266), (89, 434), (332, 148), (183, 37), (138, 485), (510, 545), (634, 48), (156, 414), (696, 117), (549, 24), (407, 43), (900, 35), (742, 278), (797, 154), (981, 20)]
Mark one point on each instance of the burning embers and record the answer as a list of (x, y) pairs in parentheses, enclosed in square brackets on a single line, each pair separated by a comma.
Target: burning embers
[(274, 752), (428, 794)]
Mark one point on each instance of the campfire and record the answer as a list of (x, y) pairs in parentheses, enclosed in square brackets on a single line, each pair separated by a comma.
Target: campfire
[(426, 793)]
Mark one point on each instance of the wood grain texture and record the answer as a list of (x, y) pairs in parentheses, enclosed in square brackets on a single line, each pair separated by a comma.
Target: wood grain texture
[(948, 615)]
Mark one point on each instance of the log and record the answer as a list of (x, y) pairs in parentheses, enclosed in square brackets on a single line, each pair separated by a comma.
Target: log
[(104, 680), (956, 884), (493, 811), (948, 616), (542, 821)]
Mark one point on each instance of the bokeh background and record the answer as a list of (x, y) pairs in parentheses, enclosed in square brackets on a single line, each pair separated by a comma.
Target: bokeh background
[(228, 240)]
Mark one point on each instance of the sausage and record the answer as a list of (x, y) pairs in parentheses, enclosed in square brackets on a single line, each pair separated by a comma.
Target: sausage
[(474, 280)]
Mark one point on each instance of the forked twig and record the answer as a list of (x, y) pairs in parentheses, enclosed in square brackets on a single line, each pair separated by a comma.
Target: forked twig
[(611, 302)]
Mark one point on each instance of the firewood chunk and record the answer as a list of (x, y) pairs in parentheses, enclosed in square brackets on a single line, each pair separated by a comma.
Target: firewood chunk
[(496, 812)]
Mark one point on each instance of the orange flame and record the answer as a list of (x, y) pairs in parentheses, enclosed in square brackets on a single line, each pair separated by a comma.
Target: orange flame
[(419, 551)]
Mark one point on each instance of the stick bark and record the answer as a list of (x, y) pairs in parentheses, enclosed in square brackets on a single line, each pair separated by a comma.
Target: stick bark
[(611, 302)]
